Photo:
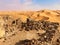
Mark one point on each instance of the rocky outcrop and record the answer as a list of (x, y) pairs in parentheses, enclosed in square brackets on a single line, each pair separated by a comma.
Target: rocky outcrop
[(30, 28)]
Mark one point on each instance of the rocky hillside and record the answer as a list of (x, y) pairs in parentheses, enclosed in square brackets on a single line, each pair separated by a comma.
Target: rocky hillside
[(30, 27)]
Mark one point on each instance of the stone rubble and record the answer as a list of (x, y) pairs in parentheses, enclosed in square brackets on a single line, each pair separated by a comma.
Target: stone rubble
[(11, 26)]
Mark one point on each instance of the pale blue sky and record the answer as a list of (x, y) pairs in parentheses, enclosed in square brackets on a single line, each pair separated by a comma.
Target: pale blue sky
[(29, 4)]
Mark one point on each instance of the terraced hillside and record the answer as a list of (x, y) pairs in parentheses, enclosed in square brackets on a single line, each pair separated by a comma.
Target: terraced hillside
[(30, 27)]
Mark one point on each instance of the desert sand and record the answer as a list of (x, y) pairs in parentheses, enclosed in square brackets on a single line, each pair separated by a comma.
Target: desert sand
[(11, 32)]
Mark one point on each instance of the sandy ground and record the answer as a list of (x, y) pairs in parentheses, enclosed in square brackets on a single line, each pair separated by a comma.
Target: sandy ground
[(53, 16)]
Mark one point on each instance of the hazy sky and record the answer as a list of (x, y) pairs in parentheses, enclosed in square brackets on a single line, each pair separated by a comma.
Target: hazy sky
[(29, 4)]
